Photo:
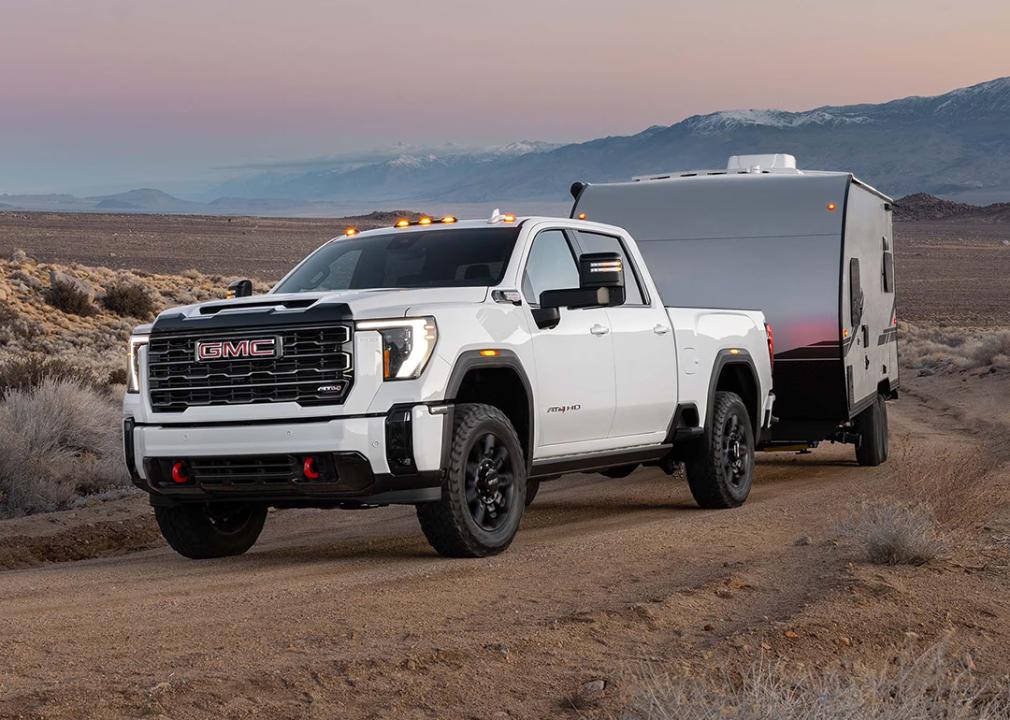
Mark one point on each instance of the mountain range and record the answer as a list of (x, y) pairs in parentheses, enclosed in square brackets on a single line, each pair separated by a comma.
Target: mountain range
[(955, 145)]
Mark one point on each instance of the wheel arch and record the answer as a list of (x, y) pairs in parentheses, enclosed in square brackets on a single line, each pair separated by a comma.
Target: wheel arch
[(734, 371), (498, 380)]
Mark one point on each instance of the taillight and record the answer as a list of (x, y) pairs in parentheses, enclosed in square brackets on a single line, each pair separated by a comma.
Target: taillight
[(771, 343)]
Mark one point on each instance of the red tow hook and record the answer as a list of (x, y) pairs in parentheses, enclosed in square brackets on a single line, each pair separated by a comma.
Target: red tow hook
[(309, 468), (180, 474)]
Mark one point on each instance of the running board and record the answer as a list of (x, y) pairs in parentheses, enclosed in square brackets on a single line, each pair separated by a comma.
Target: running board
[(597, 461)]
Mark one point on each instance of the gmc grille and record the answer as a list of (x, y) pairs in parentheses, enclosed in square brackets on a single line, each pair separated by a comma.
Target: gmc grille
[(314, 368)]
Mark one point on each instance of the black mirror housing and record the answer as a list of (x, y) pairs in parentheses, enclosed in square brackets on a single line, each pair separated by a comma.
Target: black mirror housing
[(604, 269), (576, 298), (240, 288)]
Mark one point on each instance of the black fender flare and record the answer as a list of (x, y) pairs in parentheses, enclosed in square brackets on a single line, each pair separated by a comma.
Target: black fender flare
[(473, 360), (724, 358)]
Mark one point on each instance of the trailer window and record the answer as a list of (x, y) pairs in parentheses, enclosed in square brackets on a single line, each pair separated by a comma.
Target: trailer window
[(550, 266), (887, 272), (855, 294), (595, 242)]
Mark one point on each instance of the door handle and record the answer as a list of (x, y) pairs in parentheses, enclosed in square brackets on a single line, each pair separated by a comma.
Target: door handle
[(598, 329), (661, 329)]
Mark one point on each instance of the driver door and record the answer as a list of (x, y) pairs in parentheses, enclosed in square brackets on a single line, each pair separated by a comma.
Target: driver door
[(576, 391)]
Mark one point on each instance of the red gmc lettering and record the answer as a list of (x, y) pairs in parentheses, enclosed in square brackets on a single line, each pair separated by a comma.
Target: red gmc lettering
[(224, 349)]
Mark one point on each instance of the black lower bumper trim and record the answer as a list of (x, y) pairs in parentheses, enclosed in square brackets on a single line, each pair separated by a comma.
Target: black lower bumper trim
[(345, 479)]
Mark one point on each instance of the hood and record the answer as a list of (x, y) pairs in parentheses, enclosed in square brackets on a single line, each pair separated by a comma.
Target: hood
[(299, 308)]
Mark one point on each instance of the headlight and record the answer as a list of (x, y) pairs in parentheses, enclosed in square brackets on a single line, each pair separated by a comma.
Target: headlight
[(407, 345), (133, 360)]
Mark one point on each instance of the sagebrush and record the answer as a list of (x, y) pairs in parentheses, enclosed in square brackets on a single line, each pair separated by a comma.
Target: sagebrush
[(129, 299), (59, 441)]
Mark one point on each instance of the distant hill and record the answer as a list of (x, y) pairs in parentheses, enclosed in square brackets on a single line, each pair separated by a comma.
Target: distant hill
[(955, 144), (922, 206), (144, 199)]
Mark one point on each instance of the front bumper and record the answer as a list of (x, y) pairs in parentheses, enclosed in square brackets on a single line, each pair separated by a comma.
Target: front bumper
[(368, 459)]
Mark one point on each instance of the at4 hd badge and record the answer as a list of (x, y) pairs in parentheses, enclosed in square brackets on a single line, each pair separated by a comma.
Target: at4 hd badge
[(563, 408)]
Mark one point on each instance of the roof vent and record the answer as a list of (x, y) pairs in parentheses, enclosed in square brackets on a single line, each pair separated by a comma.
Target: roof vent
[(761, 163)]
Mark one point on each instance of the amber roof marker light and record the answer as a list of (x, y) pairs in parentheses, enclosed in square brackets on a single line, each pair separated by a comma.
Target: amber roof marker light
[(351, 231), (448, 219), (581, 216), (831, 207), (402, 222), (424, 221)]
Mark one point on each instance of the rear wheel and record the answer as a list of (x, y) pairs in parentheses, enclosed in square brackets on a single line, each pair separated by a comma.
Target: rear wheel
[(721, 471), (206, 530), (871, 426), (484, 490)]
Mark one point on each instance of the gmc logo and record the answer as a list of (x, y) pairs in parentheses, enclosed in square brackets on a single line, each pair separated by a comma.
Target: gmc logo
[(233, 349)]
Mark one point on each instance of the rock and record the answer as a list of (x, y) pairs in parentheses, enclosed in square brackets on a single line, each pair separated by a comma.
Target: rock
[(724, 593), (57, 277), (791, 634), (709, 627), (803, 540), (19, 256)]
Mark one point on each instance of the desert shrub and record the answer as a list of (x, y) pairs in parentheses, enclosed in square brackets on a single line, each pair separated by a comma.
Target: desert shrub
[(68, 296), (59, 440), (927, 686), (895, 533), (30, 371), (930, 349), (117, 377), (129, 299)]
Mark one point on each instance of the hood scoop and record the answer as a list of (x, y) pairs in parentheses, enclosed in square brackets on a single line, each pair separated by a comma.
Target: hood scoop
[(287, 304)]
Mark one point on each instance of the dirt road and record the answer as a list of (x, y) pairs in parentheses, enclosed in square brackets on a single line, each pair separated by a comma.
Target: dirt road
[(351, 615)]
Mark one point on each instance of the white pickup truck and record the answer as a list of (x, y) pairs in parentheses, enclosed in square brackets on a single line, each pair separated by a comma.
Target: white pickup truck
[(448, 365)]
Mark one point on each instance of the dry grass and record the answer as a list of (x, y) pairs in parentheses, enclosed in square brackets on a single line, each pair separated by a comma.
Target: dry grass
[(908, 687), (943, 349), (944, 496), (59, 441), (897, 533)]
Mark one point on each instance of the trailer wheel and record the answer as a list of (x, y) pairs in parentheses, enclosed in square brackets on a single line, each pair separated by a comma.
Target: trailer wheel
[(871, 426), (484, 490), (211, 530), (720, 471)]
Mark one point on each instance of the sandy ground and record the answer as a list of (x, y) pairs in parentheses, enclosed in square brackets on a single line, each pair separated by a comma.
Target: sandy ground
[(351, 615)]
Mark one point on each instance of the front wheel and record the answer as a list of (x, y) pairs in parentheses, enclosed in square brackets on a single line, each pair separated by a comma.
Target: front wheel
[(871, 427), (211, 530), (720, 471), (484, 489)]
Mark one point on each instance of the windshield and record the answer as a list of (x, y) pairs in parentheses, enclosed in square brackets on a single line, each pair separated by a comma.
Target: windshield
[(459, 257)]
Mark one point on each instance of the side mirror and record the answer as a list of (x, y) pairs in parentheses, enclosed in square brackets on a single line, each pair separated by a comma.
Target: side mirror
[(240, 288), (603, 270)]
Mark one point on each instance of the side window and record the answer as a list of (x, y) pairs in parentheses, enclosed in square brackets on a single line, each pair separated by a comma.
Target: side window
[(550, 266), (887, 269), (594, 242)]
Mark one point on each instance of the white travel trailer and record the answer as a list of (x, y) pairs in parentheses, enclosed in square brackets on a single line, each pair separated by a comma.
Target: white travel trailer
[(813, 250)]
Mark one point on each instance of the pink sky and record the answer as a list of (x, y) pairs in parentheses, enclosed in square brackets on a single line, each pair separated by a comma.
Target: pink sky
[(106, 94)]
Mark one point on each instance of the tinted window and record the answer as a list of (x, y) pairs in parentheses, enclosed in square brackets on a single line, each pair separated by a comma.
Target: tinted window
[(594, 242), (550, 266), (461, 257)]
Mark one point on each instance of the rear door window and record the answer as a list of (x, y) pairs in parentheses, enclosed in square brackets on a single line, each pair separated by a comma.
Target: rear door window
[(596, 242)]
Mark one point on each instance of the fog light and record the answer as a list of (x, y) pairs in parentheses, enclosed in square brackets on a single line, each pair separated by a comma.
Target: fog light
[(180, 473)]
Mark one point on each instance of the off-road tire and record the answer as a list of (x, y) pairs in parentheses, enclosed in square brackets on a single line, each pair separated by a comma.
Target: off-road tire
[(871, 427), (202, 531), (449, 523), (712, 468), (532, 488)]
